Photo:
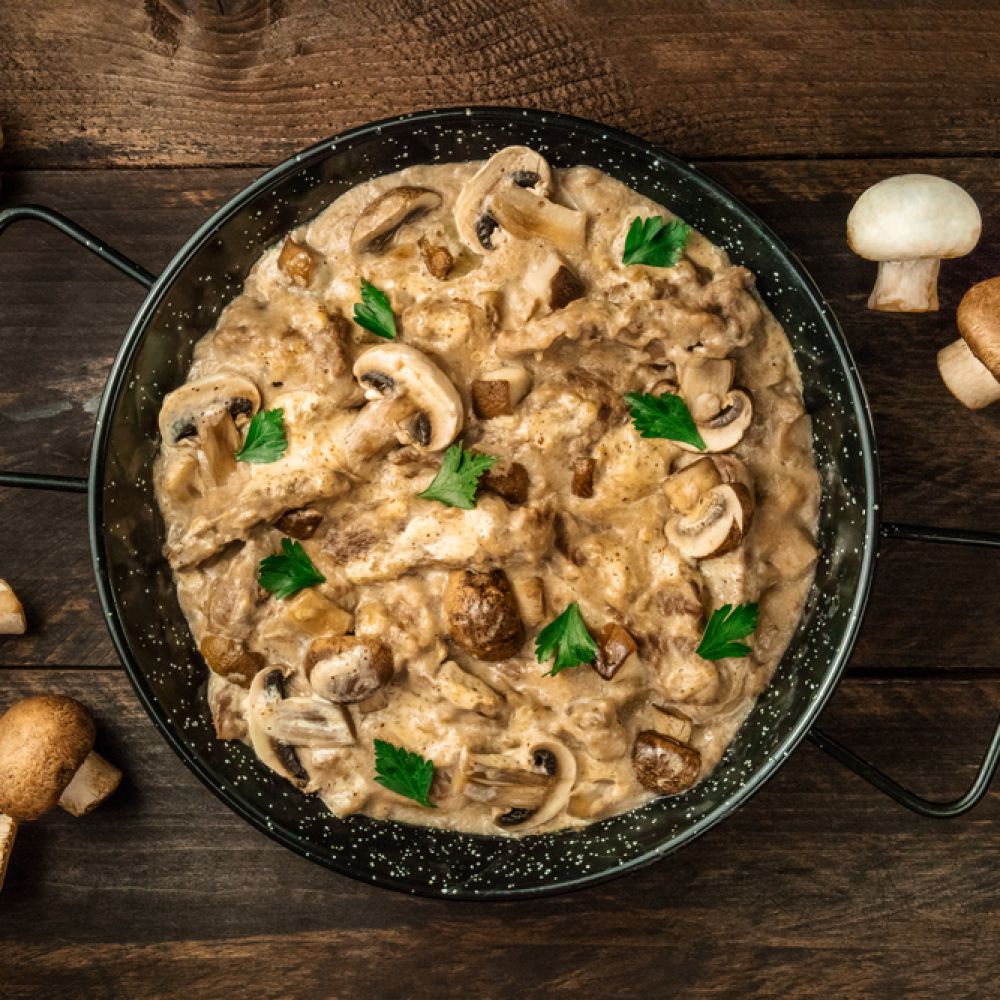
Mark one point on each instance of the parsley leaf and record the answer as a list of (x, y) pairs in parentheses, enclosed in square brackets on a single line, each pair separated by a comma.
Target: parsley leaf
[(567, 639), (665, 416), (726, 625), (655, 241), (457, 479), (403, 772), (374, 311), (265, 441), (286, 574)]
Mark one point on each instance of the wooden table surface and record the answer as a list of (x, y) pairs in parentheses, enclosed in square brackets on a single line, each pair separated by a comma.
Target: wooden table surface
[(138, 120)]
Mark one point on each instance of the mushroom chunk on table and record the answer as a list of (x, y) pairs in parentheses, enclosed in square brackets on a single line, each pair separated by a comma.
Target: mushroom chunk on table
[(482, 614), (970, 367), (47, 758), (909, 224), (12, 621)]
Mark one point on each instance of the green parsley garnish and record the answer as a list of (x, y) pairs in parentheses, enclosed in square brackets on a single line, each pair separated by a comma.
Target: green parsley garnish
[(665, 416), (286, 574), (374, 311), (655, 241), (567, 639), (457, 479), (726, 625), (265, 441), (403, 772)]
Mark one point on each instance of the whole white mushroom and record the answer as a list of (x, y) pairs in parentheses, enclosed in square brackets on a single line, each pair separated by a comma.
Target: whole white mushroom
[(909, 224)]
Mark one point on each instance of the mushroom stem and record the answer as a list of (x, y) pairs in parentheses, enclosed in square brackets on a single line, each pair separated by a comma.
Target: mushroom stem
[(966, 377), (93, 782), (906, 285), (8, 831)]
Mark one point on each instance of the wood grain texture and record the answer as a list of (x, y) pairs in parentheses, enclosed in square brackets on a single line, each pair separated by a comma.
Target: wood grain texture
[(818, 887), (214, 82), (64, 314)]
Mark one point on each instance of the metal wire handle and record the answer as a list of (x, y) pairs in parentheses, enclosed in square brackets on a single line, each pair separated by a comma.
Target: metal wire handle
[(987, 769), (66, 484)]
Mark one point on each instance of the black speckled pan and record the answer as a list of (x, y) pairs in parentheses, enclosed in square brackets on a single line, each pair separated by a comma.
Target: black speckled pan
[(152, 636)]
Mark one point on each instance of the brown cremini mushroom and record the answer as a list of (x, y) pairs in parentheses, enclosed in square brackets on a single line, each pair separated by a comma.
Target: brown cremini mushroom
[(970, 367), (482, 614), (437, 259), (509, 481), (296, 261), (614, 646), (387, 214), (715, 526), (583, 477), (12, 621), (47, 759), (348, 668), (231, 659), (663, 765), (300, 523)]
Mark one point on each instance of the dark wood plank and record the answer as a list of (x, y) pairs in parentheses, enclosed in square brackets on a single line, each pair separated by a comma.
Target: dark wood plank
[(819, 887), (64, 314), (213, 82)]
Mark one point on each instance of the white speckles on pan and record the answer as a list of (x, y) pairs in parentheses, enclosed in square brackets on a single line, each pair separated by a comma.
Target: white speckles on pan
[(151, 633)]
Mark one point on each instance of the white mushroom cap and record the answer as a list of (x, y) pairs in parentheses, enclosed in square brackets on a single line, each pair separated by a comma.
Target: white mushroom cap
[(12, 621), (913, 215)]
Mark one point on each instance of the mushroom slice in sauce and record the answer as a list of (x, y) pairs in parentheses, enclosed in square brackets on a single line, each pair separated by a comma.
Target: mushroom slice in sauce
[(583, 477), (716, 526), (614, 646), (508, 481), (231, 659), (685, 488), (722, 414), (663, 765), (437, 258), (382, 218), (525, 215), (482, 614), (300, 523), (522, 797), (411, 401), (348, 668), (466, 691), (296, 261), (206, 415)]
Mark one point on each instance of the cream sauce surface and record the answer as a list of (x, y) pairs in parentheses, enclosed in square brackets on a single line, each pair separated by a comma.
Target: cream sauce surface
[(495, 728)]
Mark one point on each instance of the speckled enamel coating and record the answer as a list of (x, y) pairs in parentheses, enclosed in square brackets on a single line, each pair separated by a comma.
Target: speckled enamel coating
[(152, 636)]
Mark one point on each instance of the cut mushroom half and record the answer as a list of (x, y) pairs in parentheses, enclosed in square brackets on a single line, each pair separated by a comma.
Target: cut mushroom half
[(717, 525), (721, 414), (726, 429), (663, 765), (206, 417), (523, 794), (279, 726), (511, 167), (482, 614), (411, 402), (970, 367), (12, 620), (387, 214), (348, 668)]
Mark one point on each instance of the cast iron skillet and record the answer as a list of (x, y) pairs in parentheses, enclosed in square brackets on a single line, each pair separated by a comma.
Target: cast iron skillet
[(152, 637)]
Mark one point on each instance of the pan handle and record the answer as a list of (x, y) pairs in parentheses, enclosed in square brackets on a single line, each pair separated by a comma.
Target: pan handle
[(66, 484), (988, 767)]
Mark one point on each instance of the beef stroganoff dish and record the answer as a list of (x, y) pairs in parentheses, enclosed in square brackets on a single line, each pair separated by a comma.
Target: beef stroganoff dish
[(491, 500)]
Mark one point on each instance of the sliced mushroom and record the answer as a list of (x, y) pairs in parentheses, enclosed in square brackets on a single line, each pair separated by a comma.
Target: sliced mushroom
[(583, 477), (12, 621), (277, 725), (347, 668), (673, 723), (526, 215), (411, 401), (705, 384), (300, 523), (552, 284), (508, 481), (716, 526), (231, 659), (523, 794), (663, 765), (686, 487), (437, 258), (614, 646), (726, 429), (466, 691), (482, 614), (496, 393), (383, 218), (207, 415), (513, 166), (296, 261)]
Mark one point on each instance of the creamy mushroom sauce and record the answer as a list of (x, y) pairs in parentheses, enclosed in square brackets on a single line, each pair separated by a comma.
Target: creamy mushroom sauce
[(387, 555)]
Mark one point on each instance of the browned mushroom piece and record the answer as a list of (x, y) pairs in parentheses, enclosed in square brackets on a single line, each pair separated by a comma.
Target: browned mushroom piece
[(296, 261), (583, 477), (509, 481), (717, 525), (348, 668), (231, 659), (387, 214), (47, 759), (437, 259), (496, 393), (614, 646), (663, 765), (552, 284), (12, 621), (482, 614), (300, 523)]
